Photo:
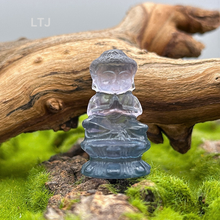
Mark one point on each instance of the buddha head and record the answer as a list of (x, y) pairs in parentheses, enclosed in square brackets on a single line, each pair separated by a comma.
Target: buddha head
[(113, 72)]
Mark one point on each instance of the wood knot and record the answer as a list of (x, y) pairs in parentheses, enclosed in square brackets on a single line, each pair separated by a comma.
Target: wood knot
[(38, 60), (54, 105), (213, 75), (216, 78)]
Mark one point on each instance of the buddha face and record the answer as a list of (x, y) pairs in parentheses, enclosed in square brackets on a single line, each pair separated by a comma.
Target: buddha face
[(114, 79)]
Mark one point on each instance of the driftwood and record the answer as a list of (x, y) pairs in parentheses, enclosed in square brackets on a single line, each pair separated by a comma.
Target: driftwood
[(46, 84)]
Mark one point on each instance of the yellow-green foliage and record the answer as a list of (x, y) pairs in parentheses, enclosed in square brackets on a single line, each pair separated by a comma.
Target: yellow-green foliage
[(210, 194), (168, 191), (137, 196), (210, 190), (167, 214), (35, 193), (24, 198), (22, 185), (20, 154), (135, 216), (140, 204), (187, 185), (213, 210), (174, 192), (194, 166)]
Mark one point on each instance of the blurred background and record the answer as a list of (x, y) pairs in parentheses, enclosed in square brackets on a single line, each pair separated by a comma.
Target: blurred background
[(22, 18)]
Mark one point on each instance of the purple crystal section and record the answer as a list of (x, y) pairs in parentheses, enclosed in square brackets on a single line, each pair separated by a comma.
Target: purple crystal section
[(114, 139)]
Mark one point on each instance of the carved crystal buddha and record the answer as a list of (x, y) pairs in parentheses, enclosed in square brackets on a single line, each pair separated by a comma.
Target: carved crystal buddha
[(114, 139)]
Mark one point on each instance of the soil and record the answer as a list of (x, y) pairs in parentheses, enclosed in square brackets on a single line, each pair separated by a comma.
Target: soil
[(74, 193)]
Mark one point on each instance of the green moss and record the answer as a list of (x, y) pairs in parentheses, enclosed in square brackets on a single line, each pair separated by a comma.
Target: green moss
[(32, 216), (181, 180), (140, 205), (167, 214), (191, 216), (134, 193), (24, 198), (36, 194), (135, 216), (144, 196), (12, 205), (167, 190), (174, 192), (22, 184), (213, 210), (195, 165), (210, 191), (18, 155)]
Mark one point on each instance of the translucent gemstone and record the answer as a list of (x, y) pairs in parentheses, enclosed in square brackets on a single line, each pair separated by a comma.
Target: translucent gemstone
[(113, 72), (114, 139), (104, 104), (115, 81)]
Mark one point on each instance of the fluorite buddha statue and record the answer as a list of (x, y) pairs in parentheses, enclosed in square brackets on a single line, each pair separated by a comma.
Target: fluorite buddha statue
[(114, 139)]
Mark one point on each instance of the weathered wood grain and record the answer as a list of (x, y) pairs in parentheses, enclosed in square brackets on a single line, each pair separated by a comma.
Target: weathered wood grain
[(46, 84)]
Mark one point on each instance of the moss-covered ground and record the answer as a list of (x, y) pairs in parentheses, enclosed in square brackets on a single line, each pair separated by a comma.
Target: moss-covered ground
[(185, 186), (22, 183)]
